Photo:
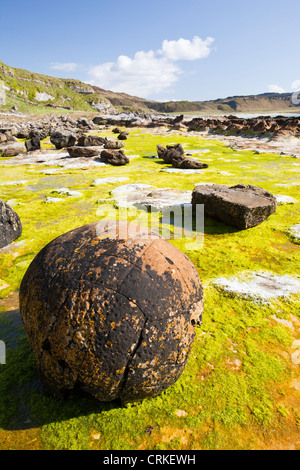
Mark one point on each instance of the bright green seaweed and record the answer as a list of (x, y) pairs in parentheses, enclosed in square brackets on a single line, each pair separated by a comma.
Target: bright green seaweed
[(238, 388)]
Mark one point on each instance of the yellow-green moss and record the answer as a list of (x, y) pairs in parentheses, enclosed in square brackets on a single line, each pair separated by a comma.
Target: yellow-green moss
[(236, 386)]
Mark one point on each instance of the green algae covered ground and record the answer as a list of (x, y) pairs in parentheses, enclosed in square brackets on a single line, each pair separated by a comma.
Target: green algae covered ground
[(240, 388)]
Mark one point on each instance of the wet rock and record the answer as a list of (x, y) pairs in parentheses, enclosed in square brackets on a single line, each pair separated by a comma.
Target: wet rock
[(112, 311), (114, 157), (241, 206), (10, 224)]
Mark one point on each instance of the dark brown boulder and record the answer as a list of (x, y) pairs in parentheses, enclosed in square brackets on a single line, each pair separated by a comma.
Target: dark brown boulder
[(123, 135), (187, 163), (85, 152), (10, 224), (240, 206), (170, 153), (90, 141), (174, 154), (111, 312), (62, 139), (116, 130), (113, 144), (34, 143), (114, 157), (12, 149)]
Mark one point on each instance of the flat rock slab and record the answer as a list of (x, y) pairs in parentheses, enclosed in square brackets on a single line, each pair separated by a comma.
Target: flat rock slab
[(13, 183), (259, 286), (54, 158), (145, 196), (67, 192), (241, 206), (113, 179), (294, 233), (282, 199), (181, 171), (164, 198)]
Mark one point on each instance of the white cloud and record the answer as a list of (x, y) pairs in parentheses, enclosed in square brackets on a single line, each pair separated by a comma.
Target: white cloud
[(184, 49), (276, 89), (143, 75), (296, 85), (66, 66), (149, 73)]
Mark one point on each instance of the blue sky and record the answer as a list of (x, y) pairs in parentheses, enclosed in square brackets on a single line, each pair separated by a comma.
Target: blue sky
[(161, 49)]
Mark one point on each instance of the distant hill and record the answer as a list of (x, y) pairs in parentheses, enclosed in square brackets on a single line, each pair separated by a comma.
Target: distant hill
[(35, 93)]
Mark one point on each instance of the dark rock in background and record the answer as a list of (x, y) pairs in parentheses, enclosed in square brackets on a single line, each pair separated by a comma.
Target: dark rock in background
[(10, 224)]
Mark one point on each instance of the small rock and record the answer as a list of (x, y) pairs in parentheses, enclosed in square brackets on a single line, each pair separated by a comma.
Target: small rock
[(294, 233), (281, 199), (54, 199), (181, 413), (123, 135), (113, 179), (67, 192)]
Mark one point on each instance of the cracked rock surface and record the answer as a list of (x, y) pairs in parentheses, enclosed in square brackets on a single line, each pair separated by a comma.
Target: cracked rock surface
[(110, 313)]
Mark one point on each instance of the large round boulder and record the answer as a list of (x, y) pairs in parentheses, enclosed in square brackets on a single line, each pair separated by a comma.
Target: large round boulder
[(112, 312)]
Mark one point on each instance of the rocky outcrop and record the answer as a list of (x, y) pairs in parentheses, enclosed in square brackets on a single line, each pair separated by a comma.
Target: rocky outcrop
[(241, 206), (10, 224)]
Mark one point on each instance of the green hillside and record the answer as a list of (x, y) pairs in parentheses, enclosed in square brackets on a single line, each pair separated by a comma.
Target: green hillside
[(36, 93)]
